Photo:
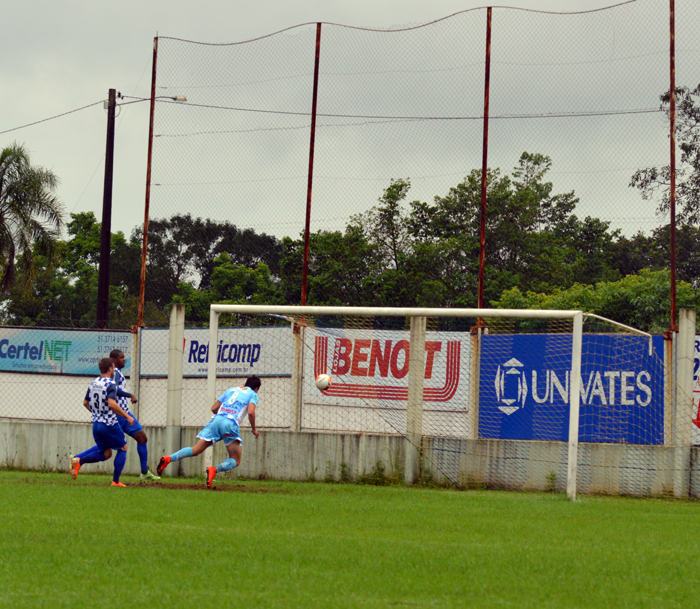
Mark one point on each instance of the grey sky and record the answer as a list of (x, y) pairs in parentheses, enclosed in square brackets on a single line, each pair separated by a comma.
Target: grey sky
[(62, 55)]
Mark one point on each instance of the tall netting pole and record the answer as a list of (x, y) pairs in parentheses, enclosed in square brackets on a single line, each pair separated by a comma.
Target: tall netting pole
[(672, 108), (311, 169), (144, 250), (484, 162)]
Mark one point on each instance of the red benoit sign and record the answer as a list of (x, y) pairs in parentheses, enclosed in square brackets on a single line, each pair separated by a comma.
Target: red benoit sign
[(383, 359)]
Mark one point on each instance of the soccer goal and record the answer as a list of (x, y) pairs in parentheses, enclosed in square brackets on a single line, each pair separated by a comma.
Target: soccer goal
[(495, 398)]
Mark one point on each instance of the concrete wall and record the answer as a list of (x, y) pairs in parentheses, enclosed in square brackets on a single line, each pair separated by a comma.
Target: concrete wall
[(603, 468)]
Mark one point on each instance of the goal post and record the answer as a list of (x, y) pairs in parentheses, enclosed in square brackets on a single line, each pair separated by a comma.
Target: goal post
[(381, 349)]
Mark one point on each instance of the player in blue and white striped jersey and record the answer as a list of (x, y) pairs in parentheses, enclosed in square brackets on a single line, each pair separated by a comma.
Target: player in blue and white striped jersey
[(133, 429), (101, 401), (229, 412)]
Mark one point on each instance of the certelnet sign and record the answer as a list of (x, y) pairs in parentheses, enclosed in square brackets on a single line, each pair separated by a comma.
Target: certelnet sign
[(525, 385)]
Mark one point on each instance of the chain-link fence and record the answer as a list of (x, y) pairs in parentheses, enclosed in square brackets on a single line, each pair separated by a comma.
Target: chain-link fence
[(574, 115)]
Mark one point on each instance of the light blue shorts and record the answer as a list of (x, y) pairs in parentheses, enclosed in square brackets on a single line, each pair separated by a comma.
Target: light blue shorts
[(221, 428)]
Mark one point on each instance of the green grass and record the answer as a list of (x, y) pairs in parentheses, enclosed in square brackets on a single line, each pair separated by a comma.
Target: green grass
[(81, 543)]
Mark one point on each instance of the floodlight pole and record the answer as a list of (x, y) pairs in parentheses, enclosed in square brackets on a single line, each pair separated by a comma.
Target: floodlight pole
[(305, 272), (102, 319)]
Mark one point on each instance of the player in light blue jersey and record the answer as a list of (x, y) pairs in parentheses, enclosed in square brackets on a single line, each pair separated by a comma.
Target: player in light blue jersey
[(229, 412), (101, 401), (133, 429)]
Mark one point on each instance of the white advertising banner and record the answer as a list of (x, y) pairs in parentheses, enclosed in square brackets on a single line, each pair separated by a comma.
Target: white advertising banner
[(369, 369), (239, 352)]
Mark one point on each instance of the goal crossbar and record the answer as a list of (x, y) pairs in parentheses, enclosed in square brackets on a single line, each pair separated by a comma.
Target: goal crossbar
[(392, 311)]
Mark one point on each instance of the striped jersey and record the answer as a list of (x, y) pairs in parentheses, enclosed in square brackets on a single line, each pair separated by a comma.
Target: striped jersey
[(99, 391), (234, 403), (120, 382)]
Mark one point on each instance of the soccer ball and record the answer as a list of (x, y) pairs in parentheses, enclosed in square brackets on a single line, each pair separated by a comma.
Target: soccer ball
[(323, 381)]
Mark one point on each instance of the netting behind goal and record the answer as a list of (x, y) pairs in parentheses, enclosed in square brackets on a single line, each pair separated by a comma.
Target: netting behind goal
[(525, 401)]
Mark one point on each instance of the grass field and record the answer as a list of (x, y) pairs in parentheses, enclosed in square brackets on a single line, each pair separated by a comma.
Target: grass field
[(82, 543)]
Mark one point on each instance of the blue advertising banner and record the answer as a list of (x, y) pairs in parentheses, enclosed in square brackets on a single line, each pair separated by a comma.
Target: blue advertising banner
[(60, 351), (524, 388)]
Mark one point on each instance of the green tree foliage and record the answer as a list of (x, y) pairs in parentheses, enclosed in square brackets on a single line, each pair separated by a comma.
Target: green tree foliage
[(31, 217), (64, 291), (183, 248), (642, 301), (655, 182), (539, 253), (230, 284)]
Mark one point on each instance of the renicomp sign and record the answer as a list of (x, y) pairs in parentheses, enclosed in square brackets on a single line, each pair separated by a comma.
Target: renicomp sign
[(59, 351), (525, 388), (240, 352)]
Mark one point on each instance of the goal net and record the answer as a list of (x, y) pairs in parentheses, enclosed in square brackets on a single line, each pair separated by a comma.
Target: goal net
[(513, 399)]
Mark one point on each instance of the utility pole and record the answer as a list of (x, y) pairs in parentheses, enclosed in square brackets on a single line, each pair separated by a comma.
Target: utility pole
[(105, 240)]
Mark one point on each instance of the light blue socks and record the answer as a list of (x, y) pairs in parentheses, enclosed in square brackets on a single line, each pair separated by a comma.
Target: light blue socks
[(183, 453), (226, 465)]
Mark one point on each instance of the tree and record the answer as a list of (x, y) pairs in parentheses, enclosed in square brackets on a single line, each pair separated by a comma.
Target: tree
[(340, 265), (230, 284), (64, 291), (31, 217), (642, 301), (183, 248), (656, 181), (533, 238)]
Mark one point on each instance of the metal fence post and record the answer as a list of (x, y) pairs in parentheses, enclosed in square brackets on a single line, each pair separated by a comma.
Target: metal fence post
[(682, 420), (173, 418), (135, 369), (414, 413)]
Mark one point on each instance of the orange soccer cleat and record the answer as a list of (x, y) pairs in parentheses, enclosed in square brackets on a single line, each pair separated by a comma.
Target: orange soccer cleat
[(164, 462), (211, 474), (74, 466), (117, 483)]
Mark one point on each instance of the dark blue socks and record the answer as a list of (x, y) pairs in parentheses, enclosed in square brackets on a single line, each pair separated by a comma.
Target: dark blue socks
[(91, 455), (142, 449), (119, 462)]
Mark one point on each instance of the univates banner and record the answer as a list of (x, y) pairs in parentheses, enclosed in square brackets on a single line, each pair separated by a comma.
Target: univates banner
[(60, 351)]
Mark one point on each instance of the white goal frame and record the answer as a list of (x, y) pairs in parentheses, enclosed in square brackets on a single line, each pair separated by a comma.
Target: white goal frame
[(577, 340)]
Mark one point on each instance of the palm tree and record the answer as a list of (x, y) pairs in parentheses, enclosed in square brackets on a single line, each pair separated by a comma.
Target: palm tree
[(31, 216)]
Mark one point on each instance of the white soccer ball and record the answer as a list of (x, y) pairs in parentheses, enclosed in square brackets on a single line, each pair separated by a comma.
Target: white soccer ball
[(323, 381)]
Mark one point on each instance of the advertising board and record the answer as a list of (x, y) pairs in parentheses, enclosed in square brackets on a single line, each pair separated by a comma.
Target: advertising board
[(525, 385), (49, 351), (239, 352)]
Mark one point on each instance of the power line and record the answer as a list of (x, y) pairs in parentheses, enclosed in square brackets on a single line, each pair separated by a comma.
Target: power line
[(43, 120), (426, 118)]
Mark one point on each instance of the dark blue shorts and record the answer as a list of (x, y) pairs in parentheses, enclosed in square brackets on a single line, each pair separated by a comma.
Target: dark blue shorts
[(108, 436), (129, 430)]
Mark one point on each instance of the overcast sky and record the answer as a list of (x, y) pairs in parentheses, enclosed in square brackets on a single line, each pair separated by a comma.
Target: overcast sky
[(58, 56)]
